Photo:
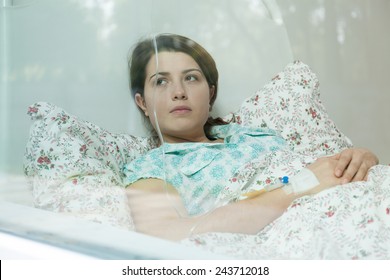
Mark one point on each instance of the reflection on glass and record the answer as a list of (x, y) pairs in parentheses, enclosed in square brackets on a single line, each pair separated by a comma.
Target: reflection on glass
[(73, 54)]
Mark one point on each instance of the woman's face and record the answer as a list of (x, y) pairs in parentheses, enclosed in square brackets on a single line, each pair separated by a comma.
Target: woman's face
[(179, 93)]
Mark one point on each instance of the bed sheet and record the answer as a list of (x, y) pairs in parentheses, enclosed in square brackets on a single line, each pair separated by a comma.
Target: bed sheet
[(351, 221)]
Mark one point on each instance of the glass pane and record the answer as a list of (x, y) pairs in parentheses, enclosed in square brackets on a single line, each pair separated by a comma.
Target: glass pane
[(73, 54)]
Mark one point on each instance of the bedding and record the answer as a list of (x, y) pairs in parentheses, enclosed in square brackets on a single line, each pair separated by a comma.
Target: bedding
[(291, 104), (351, 221), (75, 167)]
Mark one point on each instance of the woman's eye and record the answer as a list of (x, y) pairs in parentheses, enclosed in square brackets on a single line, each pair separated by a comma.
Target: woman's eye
[(191, 78), (161, 82)]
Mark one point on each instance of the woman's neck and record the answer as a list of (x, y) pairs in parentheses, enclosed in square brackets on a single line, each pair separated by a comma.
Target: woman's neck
[(201, 139)]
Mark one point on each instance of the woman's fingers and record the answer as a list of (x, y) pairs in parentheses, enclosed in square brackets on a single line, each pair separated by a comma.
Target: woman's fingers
[(353, 164), (344, 158)]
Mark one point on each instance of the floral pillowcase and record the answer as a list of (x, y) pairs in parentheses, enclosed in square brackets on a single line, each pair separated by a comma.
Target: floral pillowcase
[(74, 166), (290, 103)]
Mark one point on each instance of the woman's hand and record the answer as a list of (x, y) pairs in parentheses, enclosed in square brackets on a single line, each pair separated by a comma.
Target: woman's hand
[(353, 164)]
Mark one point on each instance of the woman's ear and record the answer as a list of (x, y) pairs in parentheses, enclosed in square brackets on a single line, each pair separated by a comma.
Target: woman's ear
[(140, 101), (212, 92)]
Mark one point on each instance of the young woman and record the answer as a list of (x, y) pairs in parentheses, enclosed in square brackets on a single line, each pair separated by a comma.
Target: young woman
[(175, 82)]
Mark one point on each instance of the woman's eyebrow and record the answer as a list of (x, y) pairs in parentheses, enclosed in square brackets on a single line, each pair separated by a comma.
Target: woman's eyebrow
[(192, 69), (159, 73), (168, 73)]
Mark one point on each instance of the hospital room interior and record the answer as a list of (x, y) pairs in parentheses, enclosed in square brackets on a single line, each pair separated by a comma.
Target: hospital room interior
[(72, 56)]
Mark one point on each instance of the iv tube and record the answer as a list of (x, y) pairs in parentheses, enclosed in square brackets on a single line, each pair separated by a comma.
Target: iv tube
[(158, 130), (162, 142)]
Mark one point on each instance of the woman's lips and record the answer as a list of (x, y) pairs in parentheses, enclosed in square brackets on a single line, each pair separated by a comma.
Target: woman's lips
[(180, 110)]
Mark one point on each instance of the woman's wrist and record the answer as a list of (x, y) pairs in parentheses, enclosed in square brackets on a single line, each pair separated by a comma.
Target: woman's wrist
[(301, 183)]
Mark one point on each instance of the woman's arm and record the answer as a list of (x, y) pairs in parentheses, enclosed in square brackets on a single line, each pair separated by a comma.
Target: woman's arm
[(156, 213), (156, 208)]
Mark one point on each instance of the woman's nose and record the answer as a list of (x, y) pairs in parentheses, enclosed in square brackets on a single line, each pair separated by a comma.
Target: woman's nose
[(179, 93)]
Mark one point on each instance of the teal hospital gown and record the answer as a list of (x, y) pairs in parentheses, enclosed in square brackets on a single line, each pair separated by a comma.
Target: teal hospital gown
[(200, 172)]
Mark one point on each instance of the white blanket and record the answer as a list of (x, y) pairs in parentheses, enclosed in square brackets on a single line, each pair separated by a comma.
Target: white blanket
[(351, 221)]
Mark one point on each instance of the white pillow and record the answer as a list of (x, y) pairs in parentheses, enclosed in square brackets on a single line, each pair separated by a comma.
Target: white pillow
[(290, 103), (74, 166)]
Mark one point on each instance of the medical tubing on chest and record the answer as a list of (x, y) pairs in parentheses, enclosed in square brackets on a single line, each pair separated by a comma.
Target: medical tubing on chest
[(163, 146), (158, 130)]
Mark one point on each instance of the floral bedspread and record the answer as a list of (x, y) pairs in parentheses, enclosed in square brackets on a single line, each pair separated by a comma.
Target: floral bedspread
[(351, 221)]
